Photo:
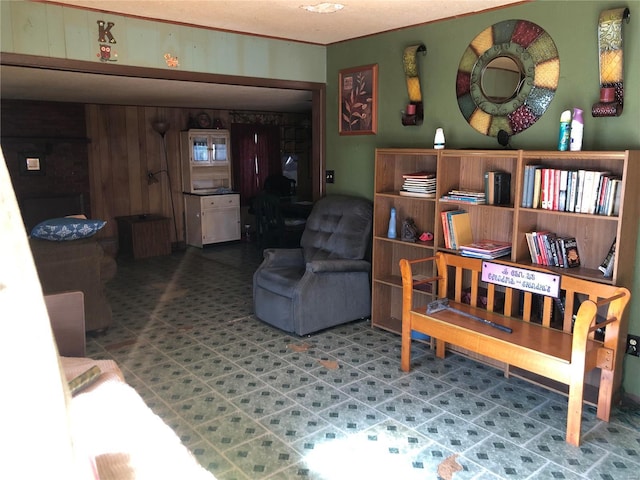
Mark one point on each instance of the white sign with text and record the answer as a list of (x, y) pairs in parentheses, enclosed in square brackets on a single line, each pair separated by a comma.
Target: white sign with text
[(521, 278)]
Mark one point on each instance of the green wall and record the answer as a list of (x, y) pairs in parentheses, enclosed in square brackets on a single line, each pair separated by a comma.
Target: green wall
[(573, 27), (64, 32)]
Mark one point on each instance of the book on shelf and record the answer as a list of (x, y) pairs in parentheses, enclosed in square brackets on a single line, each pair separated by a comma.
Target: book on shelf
[(465, 196), (483, 256), (549, 241), (616, 201), (447, 226), (537, 180), (497, 187), (525, 187), (538, 247), (542, 248), (606, 267), (545, 189), (591, 192), (487, 249), (550, 249), (562, 190), (572, 190), (421, 175), (562, 253), (444, 216), (592, 188), (468, 193), (572, 256), (419, 184), (612, 200), (461, 229), (528, 184), (579, 197), (532, 248), (407, 193)]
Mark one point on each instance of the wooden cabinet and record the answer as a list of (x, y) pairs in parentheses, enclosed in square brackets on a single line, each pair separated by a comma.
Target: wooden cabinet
[(206, 161), (212, 218), (211, 209), (464, 170)]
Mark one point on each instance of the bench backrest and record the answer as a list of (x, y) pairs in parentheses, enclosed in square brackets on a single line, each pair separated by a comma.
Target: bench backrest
[(460, 275)]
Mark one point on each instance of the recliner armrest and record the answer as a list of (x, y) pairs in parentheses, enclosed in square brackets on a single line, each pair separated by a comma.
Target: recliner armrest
[(338, 265), (283, 257)]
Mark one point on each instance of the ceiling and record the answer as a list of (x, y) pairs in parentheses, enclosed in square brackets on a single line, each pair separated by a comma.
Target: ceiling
[(358, 18), (286, 19)]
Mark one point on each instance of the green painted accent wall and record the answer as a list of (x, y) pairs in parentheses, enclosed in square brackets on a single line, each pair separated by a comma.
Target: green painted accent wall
[(573, 27), (63, 32)]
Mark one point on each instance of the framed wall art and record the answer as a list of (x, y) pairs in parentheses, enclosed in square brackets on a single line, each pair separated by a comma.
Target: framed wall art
[(358, 100)]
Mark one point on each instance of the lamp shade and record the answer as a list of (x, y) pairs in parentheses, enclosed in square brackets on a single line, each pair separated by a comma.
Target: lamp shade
[(160, 126)]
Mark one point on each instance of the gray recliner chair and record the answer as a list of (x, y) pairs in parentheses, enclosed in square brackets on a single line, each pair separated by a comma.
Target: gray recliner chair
[(326, 282)]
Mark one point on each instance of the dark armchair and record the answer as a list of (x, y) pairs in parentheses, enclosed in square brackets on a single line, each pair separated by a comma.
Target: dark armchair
[(326, 282)]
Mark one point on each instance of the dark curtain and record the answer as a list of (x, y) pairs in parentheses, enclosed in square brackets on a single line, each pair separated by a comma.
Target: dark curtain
[(255, 150)]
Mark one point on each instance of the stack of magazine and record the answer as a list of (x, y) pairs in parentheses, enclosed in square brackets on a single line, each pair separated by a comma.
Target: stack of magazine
[(486, 249), (465, 196), (419, 184)]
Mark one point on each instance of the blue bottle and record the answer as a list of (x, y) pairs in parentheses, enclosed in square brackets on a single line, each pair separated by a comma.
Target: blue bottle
[(391, 233), (565, 131)]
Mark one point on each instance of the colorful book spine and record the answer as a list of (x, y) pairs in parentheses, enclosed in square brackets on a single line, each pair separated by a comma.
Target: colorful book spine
[(536, 188)]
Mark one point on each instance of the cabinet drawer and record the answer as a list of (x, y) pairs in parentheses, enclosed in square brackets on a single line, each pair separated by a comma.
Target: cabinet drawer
[(220, 201)]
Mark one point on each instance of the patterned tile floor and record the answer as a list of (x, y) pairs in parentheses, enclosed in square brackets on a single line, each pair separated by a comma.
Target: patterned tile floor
[(252, 402)]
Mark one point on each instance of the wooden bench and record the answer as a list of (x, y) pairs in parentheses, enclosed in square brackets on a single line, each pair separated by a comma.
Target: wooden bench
[(565, 354)]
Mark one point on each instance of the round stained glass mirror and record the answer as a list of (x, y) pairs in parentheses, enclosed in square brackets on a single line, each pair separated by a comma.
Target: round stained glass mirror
[(507, 77)]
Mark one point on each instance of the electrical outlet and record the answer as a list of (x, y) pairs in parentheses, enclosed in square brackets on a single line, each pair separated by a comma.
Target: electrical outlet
[(633, 345), (330, 176)]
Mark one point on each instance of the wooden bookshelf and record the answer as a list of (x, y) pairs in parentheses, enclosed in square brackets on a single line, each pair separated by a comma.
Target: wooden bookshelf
[(464, 170)]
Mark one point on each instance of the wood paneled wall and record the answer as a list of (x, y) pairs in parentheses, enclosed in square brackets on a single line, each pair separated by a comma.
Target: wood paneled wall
[(105, 152), (123, 148), (55, 132)]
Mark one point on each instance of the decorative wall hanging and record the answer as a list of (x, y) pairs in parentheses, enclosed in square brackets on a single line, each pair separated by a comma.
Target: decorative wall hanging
[(413, 115), (610, 58), (507, 77), (358, 108), (171, 61), (106, 40)]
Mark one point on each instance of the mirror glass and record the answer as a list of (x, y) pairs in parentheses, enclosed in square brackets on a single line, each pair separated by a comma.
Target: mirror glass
[(502, 79), (507, 77)]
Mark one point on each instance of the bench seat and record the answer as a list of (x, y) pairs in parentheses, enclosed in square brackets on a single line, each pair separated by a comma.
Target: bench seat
[(565, 355)]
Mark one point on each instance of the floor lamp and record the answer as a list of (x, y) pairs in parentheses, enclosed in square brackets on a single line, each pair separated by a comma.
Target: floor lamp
[(162, 128)]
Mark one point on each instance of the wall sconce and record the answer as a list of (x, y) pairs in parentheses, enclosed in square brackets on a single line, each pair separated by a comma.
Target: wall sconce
[(610, 59), (413, 114)]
